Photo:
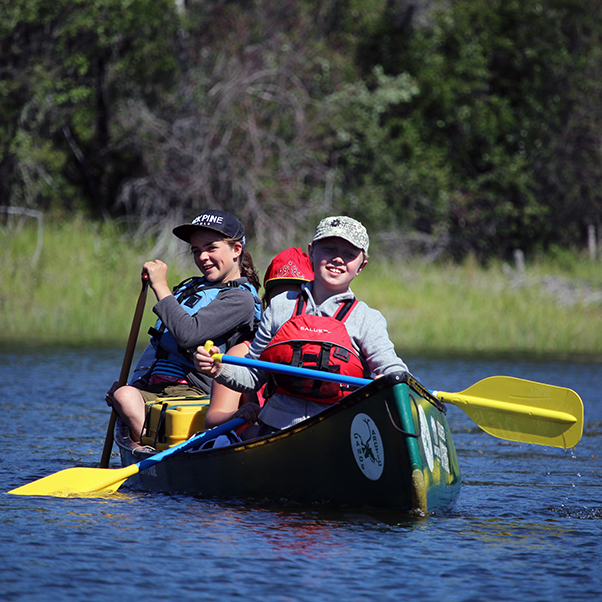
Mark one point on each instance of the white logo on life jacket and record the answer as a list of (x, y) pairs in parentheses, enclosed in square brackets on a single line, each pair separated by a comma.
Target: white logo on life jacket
[(318, 330)]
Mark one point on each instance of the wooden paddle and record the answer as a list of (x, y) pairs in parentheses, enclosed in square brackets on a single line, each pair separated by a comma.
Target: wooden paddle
[(503, 406), (125, 368), (81, 480)]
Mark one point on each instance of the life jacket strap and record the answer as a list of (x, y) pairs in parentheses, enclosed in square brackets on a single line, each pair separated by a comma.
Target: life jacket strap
[(341, 315)]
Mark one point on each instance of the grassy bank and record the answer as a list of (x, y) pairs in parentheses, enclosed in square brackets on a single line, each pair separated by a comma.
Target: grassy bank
[(83, 287), (552, 308)]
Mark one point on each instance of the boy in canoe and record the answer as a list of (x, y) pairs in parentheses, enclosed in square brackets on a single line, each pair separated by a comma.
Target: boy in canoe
[(223, 305), (324, 327)]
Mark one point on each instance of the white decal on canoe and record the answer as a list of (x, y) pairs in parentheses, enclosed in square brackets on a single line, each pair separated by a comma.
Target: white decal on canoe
[(439, 443), (435, 438), (367, 446), (443, 455), (425, 435)]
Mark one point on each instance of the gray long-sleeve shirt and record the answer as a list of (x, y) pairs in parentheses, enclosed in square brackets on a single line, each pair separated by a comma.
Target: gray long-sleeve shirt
[(232, 308), (367, 330)]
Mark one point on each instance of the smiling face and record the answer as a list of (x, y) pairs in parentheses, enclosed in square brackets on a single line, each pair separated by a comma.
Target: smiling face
[(336, 263), (215, 257)]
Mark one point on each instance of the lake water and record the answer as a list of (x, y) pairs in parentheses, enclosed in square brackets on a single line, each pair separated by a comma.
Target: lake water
[(527, 525)]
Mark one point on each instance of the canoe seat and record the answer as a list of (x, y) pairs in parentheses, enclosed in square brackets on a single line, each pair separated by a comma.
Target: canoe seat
[(171, 420)]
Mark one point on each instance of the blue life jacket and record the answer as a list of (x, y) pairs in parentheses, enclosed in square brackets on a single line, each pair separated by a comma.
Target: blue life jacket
[(193, 294)]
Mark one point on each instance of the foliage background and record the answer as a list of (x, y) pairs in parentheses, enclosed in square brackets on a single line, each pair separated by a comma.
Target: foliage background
[(466, 127), (76, 283)]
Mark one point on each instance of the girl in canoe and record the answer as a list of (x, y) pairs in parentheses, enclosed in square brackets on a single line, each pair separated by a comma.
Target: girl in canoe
[(324, 327), (289, 270), (222, 305)]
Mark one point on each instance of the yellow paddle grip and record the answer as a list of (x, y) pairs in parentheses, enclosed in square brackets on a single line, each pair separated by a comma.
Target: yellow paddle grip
[(216, 356)]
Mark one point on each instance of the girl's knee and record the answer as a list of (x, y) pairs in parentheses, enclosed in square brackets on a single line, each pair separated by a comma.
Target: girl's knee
[(127, 395)]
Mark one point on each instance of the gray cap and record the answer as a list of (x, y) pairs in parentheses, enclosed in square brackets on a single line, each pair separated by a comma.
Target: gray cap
[(346, 228)]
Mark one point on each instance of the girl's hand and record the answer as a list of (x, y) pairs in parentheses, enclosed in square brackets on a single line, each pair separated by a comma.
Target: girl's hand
[(157, 278), (109, 395), (204, 362)]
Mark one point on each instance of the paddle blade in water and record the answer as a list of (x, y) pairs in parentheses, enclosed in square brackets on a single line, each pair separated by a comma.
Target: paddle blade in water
[(77, 481), (522, 410)]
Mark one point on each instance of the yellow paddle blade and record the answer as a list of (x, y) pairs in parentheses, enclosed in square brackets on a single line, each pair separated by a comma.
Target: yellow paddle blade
[(77, 481), (522, 410)]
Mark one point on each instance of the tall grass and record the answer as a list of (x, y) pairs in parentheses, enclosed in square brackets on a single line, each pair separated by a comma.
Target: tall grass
[(467, 308), (84, 286), (82, 290)]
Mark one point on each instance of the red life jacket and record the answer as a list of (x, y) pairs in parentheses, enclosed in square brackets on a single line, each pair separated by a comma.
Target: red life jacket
[(317, 342)]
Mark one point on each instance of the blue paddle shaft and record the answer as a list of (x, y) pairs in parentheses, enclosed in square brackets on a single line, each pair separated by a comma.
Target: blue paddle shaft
[(192, 442), (236, 422), (293, 370)]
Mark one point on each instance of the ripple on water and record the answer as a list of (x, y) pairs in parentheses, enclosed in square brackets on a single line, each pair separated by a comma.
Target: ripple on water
[(525, 525)]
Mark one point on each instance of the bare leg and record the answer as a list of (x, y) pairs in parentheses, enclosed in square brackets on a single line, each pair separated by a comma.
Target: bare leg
[(130, 406)]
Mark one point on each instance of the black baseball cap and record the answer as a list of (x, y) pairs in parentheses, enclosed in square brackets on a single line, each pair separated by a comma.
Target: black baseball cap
[(213, 219)]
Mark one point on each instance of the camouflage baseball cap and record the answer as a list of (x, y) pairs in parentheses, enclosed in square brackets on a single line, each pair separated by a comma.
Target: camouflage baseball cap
[(346, 228)]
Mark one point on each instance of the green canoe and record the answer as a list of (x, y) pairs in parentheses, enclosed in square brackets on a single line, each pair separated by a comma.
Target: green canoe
[(387, 445)]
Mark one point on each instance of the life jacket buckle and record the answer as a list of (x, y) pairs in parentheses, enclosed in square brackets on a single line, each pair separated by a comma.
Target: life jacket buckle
[(341, 354)]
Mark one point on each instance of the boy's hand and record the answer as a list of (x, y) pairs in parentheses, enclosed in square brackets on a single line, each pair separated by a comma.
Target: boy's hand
[(248, 411)]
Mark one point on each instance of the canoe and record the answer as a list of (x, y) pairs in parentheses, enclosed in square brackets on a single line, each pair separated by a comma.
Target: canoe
[(387, 445)]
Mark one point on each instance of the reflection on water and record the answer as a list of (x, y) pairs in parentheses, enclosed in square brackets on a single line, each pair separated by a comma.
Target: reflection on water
[(500, 531), (526, 524)]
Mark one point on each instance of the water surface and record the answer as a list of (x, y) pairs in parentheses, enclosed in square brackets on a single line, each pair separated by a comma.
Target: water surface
[(527, 524)]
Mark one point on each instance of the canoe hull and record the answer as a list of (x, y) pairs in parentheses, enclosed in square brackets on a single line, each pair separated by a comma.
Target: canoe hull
[(383, 446)]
